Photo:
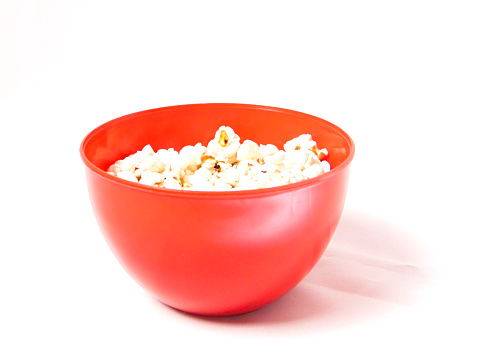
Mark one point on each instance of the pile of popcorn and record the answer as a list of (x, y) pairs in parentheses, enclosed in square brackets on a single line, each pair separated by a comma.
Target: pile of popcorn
[(225, 164)]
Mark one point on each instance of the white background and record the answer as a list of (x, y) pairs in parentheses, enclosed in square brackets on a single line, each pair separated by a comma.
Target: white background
[(401, 77)]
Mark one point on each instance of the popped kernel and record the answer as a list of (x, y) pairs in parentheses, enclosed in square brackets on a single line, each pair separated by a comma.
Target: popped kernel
[(225, 164), (248, 150)]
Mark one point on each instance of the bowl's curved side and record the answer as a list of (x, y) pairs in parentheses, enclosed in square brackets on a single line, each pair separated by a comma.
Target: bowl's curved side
[(218, 256)]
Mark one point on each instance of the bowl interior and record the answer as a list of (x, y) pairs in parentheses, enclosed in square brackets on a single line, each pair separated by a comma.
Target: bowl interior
[(178, 126)]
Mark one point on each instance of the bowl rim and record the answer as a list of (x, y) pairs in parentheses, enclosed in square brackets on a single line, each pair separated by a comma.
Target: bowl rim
[(220, 194)]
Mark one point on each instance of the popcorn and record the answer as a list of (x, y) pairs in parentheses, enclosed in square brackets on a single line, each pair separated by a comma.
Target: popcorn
[(225, 164), (225, 144), (121, 165), (275, 159), (295, 159), (267, 150), (187, 158), (231, 176), (246, 182), (199, 183), (325, 166), (168, 157), (248, 150), (322, 153), (222, 185), (244, 166), (147, 150), (147, 178), (303, 142), (127, 175), (200, 150), (151, 163), (203, 172), (313, 171), (171, 183)]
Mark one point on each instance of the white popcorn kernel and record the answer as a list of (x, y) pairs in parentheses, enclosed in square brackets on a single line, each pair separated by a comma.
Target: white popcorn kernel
[(325, 166), (208, 163), (313, 171), (296, 176), (127, 175), (148, 180), (292, 145), (225, 145), (223, 166), (146, 173), (147, 150), (295, 159), (111, 173), (114, 168), (121, 165), (187, 175), (186, 178), (200, 150), (136, 158), (138, 172), (306, 142), (267, 150), (218, 142), (228, 153), (270, 169), (248, 150), (276, 159), (168, 157), (322, 153), (222, 185), (244, 166), (232, 176), (152, 163), (283, 177), (262, 174), (225, 136), (246, 182), (171, 183), (187, 159), (199, 183), (304, 138), (273, 183), (255, 170), (204, 173), (262, 179), (312, 159), (158, 177), (213, 148), (303, 142), (125, 166), (213, 178), (173, 172)]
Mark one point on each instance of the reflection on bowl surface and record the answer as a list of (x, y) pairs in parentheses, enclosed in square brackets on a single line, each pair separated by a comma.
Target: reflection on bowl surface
[(215, 253)]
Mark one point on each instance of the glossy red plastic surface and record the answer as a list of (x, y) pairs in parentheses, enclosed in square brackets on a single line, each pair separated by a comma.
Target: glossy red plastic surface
[(215, 253)]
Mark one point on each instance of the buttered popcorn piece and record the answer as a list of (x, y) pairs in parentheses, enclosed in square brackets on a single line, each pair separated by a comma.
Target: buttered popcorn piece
[(225, 164)]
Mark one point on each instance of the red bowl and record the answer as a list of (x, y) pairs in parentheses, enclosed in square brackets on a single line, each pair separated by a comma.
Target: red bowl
[(215, 253)]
